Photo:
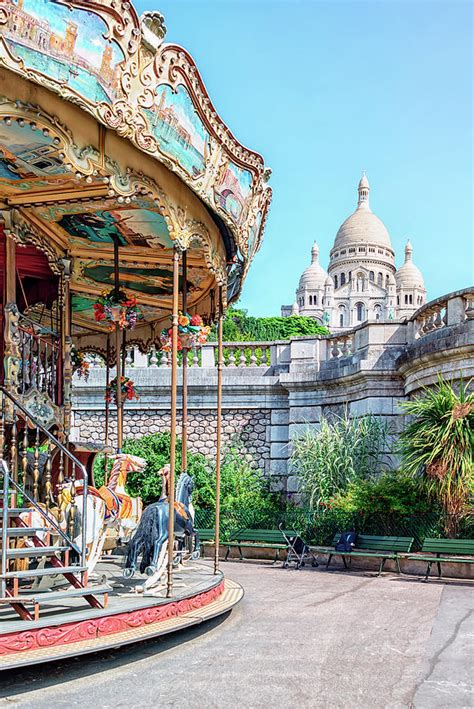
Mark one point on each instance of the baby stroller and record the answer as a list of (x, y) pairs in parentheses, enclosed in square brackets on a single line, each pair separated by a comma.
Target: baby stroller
[(297, 550)]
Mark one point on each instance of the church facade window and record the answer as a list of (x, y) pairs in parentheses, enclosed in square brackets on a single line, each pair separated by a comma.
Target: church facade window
[(371, 276), (343, 278), (360, 312)]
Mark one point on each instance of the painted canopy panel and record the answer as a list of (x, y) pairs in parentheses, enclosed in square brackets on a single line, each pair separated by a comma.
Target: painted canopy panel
[(101, 56), (67, 46), (178, 129)]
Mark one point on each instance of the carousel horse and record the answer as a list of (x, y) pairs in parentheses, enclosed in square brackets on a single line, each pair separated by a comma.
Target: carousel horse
[(152, 532), (109, 508)]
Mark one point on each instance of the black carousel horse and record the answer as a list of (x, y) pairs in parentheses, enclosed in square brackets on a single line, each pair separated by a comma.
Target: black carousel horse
[(152, 532)]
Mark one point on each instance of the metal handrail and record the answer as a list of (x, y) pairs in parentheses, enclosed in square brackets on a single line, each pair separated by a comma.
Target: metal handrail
[(68, 454)]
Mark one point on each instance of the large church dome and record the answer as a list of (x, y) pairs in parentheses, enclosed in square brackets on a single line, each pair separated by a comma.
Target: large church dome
[(362, 226)]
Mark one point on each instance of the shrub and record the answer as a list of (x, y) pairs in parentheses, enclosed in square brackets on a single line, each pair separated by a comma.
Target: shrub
[(437, 447), (340, 451), (242, 485), (240, 327), (392, 493), (155, 449)]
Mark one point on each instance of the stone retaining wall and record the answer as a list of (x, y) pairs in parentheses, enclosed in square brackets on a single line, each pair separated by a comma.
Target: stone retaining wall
[(251, 427)]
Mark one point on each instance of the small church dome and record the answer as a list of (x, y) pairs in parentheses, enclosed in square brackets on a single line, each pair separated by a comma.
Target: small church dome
[(409, 275), (314, 276)]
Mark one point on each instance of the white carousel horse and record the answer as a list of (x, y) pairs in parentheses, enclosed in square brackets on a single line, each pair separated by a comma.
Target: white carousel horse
[(107, 508)]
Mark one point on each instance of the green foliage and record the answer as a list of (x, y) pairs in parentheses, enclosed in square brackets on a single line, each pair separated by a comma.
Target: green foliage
[(340, 451), (240, 327), (155, 449), (242, 486), (437, 445), (391, 493)]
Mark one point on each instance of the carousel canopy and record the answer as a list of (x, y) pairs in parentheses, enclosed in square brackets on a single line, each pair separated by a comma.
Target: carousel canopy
[(108, 137)]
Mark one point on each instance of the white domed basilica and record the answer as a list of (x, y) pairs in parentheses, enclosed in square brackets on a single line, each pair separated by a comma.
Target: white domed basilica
[(362, 282)]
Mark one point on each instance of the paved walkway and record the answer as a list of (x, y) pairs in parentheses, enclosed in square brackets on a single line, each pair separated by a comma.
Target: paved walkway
[(305, 638)]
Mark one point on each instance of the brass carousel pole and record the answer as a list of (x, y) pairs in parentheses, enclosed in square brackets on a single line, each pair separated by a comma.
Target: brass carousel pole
[(174, 382), (184, 433), (220, 363), (107, 406), (118, 359)]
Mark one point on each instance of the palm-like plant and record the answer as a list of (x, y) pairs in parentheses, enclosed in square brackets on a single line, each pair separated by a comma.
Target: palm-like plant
[(438, 446)]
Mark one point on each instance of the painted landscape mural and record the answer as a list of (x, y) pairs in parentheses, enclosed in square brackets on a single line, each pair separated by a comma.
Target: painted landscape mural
[(253, 235), (137, 227), (234, 190), (178, 129), (27, 153), (66, 45)]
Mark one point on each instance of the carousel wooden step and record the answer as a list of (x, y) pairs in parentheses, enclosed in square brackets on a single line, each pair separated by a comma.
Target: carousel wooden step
[(33, 552), (49, 596), (26, 531), (14, 512), (49, 571)]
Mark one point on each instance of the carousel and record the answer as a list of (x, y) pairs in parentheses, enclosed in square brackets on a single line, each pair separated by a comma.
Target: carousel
[(129, 216)]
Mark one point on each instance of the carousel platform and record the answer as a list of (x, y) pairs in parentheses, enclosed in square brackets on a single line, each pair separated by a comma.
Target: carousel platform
[(64, 631)]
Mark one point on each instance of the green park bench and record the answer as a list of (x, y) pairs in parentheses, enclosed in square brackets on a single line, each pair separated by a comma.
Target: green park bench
[(382, 548), (258, 539), (206, 536), (440, 551)]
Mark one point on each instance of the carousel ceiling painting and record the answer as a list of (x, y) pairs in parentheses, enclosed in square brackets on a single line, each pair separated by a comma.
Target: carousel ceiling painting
[(119, 146), (25, 153)]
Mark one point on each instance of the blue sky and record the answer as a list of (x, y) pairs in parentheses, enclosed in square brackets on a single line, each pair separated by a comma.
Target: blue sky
[(325, 89)]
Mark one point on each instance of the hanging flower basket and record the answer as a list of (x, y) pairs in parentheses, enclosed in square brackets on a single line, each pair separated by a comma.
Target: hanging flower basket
[(191, 333), (117, 307), (128, 390), (80, 365)]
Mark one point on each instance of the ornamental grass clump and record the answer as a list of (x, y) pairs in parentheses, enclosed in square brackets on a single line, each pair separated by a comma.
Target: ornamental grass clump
[(437, 446), (327, 459)]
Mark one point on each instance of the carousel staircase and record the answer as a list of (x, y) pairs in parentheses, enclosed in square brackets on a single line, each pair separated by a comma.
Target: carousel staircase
[(25, 557), (54, 561)]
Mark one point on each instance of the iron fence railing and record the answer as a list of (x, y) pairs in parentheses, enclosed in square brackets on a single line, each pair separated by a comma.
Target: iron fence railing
[(319, 528)]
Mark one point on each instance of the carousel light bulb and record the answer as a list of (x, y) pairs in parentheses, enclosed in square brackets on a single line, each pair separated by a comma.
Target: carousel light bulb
[(111, 193), (21, 122), (45, 132), (88, 179), (120, 200), (8, 121), (78, 176), (33, 126), (56, 141), (127, 200)]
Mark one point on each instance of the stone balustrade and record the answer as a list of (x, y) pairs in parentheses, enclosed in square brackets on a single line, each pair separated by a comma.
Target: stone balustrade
[(452, 309)]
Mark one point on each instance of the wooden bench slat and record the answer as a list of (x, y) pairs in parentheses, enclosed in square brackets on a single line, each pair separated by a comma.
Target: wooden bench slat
[(448, 546)]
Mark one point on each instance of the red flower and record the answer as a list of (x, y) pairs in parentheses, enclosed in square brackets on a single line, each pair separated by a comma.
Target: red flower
[(196, 320)]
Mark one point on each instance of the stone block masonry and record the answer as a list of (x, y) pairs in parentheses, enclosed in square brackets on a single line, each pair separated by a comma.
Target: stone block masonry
[(249, 426)]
